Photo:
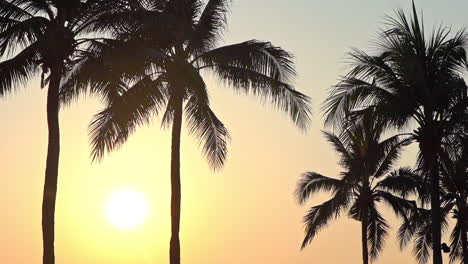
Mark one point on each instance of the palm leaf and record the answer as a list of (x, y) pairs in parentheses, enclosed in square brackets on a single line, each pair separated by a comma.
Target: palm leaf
[(111, 127), (320, 215), (13, 10), (17, 71), (209, 27), (22, 34), (377, 230), (253, 55), (312, 182), (390, 151), (204, 124), (401, 207), (456, 247), (339, 146), (403, 181), (282, 95)]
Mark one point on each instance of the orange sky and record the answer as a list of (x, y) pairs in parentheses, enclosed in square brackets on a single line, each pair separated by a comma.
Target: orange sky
[(244, 213)]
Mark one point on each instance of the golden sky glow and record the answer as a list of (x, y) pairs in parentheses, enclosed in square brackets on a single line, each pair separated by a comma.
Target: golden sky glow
[(246, 212)]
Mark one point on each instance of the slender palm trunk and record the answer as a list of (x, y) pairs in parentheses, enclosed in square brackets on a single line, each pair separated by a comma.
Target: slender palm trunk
[(429, 147), (365, 250), (365, 196), (174, 250), (435, 218), (435, 210), (51, 173)]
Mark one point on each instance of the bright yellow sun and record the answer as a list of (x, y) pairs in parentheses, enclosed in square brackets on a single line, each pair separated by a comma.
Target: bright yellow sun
[(126, 209)]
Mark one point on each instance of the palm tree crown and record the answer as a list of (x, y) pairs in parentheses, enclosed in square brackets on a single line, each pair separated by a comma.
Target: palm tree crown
[(37, 34), (167, 68), (154, 68), (46, 35), (366, 160)]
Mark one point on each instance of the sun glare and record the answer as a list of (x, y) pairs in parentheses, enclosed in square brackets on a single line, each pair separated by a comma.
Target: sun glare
[(126, 209)]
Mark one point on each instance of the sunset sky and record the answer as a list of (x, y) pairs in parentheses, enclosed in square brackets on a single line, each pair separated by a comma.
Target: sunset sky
[(244, 213)]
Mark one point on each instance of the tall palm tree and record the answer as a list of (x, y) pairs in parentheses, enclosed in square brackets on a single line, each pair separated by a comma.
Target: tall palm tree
[(411, 80), (44, 35), (366, 160), (158, 61)]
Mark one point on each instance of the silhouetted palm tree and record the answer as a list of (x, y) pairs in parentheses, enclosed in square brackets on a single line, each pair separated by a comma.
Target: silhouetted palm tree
[(412, 80), (454, 197), (366, 159), (417, 226), (44, 35), (159, 60)]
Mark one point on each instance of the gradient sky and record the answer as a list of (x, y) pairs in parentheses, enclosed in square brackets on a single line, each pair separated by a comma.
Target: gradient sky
[(245, 213)]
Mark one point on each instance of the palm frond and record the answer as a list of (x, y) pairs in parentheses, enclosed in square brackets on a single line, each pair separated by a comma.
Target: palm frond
[(389, 151), (90, 77), (423, 243), (339, 146), (320, 215), (311, 182), (210, 26), (206, 126), (94, 16), (377, 230), (401, 207), (38, 8), (121, 18), (369, 67), (418, 217), (17, 71), (253, 55), (22, 34), (403, 181), (350, 94), (280, 94), (418, 228), (111, 127), (13, 10), (103, 69), (456, 247)]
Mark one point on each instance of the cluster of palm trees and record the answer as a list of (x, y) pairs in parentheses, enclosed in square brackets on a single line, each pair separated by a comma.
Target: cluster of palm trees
[(413, 82), (144, 58)]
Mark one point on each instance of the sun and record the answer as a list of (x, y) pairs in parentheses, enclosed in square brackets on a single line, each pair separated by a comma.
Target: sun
[(126, 208)]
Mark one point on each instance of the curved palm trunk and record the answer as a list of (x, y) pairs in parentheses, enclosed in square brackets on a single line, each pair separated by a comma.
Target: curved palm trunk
[(174, 251), (365, 250), (52, 164)]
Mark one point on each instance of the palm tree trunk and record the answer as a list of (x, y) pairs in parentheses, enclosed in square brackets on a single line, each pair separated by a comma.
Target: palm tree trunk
[(429, 145), (435, 211), (52, 164), (174, 251), (365, 250)]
